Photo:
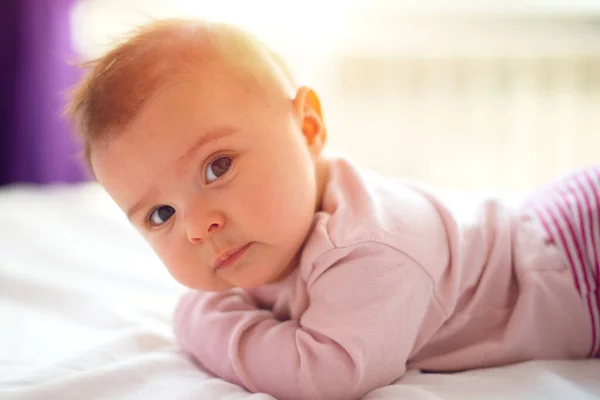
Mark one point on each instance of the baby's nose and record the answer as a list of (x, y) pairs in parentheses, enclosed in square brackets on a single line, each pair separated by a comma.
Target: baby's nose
[(201, 227)]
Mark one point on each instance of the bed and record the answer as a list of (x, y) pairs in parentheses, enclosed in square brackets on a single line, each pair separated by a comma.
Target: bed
[(85, 311)]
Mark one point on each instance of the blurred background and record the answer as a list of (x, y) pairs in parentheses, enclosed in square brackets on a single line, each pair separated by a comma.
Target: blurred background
[(460, 94)]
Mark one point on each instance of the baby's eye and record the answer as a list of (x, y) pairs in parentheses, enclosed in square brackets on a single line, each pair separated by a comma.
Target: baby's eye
[(218, 167), (160, 215)]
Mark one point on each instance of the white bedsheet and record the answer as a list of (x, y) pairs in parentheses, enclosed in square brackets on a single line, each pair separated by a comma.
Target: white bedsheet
[(85, 314)]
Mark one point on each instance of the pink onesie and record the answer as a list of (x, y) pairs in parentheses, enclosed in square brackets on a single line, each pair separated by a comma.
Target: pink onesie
[(395, 276)]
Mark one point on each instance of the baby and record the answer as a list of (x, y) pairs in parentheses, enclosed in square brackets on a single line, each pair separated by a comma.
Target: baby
[(310, 278)]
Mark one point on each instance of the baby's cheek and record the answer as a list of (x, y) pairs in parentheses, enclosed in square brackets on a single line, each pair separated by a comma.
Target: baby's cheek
[(187, 267), (175, 261), (285, 217)]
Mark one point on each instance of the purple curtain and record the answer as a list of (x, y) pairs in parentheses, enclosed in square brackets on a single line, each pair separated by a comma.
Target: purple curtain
[(36, 144)]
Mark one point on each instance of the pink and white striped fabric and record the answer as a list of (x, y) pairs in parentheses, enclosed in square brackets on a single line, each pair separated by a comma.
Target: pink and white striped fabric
[(569, 211)]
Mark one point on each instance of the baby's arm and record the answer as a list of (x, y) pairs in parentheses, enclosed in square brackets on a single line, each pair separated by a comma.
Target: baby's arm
[(364, 316)]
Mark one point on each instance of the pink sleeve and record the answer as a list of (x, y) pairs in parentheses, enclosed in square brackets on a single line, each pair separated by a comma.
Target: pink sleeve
[(364, 316)]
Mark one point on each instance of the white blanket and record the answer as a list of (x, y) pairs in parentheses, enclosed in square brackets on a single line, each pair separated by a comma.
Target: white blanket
[(85, 312)]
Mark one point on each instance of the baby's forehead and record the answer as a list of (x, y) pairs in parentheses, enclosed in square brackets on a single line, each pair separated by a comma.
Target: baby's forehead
[(122, 81)]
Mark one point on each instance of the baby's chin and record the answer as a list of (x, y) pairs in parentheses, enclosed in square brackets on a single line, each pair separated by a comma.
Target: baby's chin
[(253, 282), (212, 285), (221, 287), (250, 274), (265, 277)]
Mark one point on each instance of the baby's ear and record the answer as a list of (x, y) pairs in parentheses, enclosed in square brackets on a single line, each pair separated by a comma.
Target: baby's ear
[(308, 109)]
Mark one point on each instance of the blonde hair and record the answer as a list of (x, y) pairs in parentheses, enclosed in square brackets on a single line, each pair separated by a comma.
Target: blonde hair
[(113, 92)]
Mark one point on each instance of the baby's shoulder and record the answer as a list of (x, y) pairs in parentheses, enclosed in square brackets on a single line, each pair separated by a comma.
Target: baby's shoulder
[(361, 209)]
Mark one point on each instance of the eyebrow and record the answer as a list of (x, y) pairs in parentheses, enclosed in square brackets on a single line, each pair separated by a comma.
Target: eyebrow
[(211, 135)]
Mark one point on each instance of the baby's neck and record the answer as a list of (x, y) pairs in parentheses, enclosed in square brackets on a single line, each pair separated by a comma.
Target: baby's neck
[(322, 178)]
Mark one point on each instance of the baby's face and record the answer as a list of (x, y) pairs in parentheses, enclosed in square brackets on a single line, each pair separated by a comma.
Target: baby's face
[(218, 179)]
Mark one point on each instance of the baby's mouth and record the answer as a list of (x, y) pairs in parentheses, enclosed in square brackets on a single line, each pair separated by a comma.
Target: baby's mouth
[(230, 258)]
